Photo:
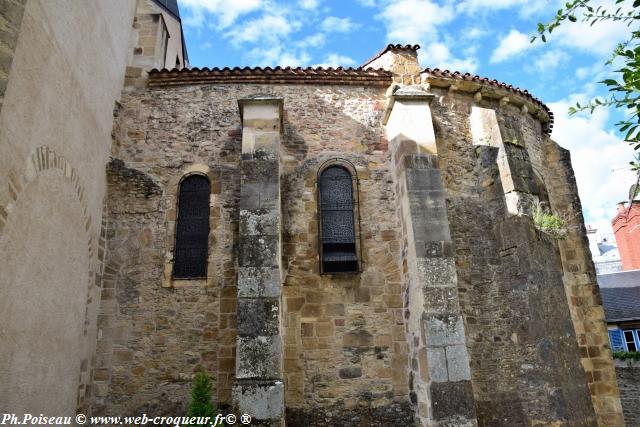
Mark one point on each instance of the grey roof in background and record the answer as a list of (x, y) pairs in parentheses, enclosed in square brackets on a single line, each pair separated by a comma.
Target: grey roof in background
[(171, 6), (621, 303), (621, 279), (620, 295)]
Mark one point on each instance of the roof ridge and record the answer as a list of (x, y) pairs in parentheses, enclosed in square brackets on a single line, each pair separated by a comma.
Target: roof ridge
[(414, 47)]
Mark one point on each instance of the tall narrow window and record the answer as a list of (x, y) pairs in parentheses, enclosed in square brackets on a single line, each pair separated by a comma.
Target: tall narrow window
[(192, 230), (337, 221)]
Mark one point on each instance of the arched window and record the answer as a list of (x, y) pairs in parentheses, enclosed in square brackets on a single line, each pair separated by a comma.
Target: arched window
[(192, 230), (338, 249)]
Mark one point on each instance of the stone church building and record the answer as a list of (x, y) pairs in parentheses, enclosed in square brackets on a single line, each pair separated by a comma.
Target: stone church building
[(349, 246)]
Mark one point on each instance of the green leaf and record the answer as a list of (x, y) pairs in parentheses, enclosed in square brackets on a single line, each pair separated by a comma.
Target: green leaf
[(544, 39), (572, 18)]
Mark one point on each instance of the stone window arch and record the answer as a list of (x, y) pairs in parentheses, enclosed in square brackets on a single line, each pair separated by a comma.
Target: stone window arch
[(338, 217), (192, 228)]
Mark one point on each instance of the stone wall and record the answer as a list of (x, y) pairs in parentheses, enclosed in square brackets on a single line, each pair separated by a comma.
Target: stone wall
[(524, 356), (627, 373), (11, 12), (344, 343), (67, 62), (459, 313)]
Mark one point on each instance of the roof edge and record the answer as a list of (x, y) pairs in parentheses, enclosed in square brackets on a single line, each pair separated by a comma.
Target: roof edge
[(436, 73), (268, 75), (389, 47)]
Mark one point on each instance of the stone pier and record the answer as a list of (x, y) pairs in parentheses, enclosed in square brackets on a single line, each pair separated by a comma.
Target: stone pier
[(439, 361), (259, 389)]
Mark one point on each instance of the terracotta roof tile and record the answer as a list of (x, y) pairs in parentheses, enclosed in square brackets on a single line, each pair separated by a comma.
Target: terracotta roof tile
[(456, 75), (268, 75)]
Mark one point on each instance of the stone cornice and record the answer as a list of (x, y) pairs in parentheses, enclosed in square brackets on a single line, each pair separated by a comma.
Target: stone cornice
[(490, 88), (268, 75)]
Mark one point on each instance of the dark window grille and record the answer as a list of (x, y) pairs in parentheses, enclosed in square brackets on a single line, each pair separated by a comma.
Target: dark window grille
[(338, 234), (192, 230)]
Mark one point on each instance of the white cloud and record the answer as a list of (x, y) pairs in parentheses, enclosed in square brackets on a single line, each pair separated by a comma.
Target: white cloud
[(511, 45), (550, 60), (474, 33), (266, 28), (527, 7), (226, 12), (314, 40), (414, 21), (335, 60), (277, 56), (601, 39), (439, 56), (338, 25), (599, 160), (309, 4)]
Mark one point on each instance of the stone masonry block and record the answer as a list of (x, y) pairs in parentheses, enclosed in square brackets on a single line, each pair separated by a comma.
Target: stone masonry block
[(441, 299), (256, 282), (255, 171), (458, 363), (261, 195), (429, 231), (259, 221), (424, 180), (443, 329), (262, 401), (421, 161), (437, 272), (437, 362), (452, 400), (259, 357), (259, 251), (258, 316)]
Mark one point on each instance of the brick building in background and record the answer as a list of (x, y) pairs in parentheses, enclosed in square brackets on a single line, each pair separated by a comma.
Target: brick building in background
[(620, 293), (626, 227), (334, 246)]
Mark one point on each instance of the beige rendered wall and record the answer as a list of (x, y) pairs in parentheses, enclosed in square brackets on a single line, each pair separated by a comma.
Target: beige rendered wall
[(55, 136)]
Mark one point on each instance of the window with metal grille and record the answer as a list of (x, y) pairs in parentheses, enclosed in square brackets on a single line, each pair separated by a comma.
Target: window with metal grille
[(192, 229), (338, 251)]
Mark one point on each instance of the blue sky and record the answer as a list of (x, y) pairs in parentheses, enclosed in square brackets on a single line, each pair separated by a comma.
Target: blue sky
[(485, 37)]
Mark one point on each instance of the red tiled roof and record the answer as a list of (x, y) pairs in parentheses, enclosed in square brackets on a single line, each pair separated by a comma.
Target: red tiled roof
[(413, 47), (268, 75), (456, 75)]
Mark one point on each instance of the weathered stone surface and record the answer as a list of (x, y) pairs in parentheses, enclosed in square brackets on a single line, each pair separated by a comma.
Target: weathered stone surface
[(254, 282), (357, 416), (259, 357), (453, 410), (627, 374), (258, 317), (366, 345), (262, 401), (443, 329)]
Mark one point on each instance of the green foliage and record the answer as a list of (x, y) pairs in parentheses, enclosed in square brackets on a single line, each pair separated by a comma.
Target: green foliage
[(549, 223), (200, 404), (626, 355), (624, 92)]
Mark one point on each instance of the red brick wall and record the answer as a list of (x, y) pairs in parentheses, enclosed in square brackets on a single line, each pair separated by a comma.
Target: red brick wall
[(626, 226)]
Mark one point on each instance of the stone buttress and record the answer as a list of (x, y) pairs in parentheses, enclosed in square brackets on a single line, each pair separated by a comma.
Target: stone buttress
[(440, 376), (259, 389)]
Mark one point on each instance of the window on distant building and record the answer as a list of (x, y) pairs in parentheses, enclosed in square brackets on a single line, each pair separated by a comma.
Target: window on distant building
[(192, 229), (630, 340), (625, 340), (338, 218)]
